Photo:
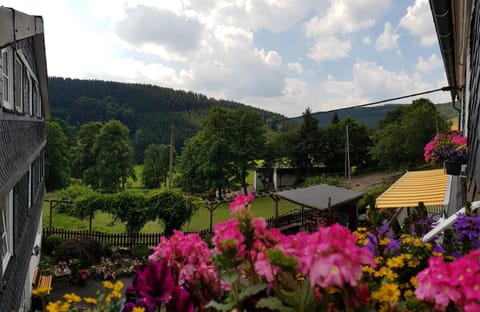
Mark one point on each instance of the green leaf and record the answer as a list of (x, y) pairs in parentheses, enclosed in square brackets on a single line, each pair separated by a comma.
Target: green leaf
[(273, 303), (230, 277), (220, 306), (252, 290)]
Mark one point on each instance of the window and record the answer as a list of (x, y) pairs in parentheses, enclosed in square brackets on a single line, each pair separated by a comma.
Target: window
[(18, 85), (6, 229), (7, 78)]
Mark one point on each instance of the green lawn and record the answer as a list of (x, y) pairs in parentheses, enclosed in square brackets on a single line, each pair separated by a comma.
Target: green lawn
[(261, 207)]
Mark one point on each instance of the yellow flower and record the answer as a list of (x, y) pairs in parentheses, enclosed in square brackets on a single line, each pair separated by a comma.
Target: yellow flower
[(332, 290), (116, 294), (58, 306), (41, 291), (72, 297), (118, 286), (107, 285), (378, 260), (395, 262), (413, 263), (414, 281), (368, 269), (90, 300), (138, 309), (408, 293), (384, 241), (388, 293), (387, 272)]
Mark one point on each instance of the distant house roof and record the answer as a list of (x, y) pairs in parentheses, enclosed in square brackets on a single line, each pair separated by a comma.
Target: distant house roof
[(427, 186), (320, 196)]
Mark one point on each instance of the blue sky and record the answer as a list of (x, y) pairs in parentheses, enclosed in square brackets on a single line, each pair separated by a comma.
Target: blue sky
[(280, 55)]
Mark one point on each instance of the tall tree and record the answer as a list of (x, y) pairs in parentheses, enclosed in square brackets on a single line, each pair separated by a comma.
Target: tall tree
[(155, 165), (334, 144), (85, 160), (114, 156), (248, 141), (192, 178), (400, 143), (221, 154), (306, 153), (57, 167)]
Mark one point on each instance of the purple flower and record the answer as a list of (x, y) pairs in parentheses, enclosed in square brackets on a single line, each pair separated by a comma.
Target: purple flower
[(371, 244), (180, 300), (155, 282), (392, 246)]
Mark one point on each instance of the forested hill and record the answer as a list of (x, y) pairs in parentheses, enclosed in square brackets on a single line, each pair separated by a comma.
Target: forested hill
[(148, 111), (371, 116)]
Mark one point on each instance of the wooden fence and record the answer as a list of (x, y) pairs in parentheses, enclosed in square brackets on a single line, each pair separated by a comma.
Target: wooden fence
[(152, 239), (115, 239)]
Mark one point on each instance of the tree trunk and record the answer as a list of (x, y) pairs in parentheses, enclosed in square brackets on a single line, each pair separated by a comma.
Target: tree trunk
[(244, 181)]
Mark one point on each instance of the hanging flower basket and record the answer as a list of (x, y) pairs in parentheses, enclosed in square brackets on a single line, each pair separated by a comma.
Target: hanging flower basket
[(453, 167), (450, 149)]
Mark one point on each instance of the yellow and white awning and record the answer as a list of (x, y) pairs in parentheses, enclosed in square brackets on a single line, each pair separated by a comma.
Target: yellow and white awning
[(428, 186)]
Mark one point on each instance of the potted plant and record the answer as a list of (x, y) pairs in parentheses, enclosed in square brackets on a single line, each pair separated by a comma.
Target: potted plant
[(447, 149)]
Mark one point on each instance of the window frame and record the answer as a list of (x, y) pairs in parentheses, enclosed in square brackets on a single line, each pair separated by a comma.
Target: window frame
[(7, 61), (32, 84), (7, 228), (18, 98)]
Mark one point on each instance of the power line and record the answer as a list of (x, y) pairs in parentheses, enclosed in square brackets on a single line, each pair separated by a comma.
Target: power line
[(447, 88)]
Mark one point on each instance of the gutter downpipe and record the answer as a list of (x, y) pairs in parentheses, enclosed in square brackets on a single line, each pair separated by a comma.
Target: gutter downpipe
[(442, 19)]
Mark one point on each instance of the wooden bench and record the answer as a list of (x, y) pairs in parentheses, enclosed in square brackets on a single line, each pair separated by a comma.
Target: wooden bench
[(40, 280)]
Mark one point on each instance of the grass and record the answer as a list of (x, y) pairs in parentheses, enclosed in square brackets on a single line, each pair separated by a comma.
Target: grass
[(103, 222)]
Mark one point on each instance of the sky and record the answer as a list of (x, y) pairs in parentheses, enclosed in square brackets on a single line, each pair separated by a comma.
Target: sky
[(280, 55)]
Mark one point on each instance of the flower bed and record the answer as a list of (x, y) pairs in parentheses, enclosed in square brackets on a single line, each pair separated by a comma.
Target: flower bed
[(251, 268)]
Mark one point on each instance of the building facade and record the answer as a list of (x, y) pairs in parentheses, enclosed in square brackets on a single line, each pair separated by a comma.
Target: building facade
[(24, 104)]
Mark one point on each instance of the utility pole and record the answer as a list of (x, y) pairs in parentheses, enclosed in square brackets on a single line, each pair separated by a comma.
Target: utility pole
[(170, 164), (347, 159)]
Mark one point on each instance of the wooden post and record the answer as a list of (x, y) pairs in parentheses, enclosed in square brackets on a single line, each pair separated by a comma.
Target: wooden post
[(170, 164), (276, 199), (50, 219), (211, 206)]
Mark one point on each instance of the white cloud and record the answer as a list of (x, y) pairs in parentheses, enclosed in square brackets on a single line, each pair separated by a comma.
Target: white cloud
[(233, 37), (329, 48), (296, 67), (387, 39), (433, 62), (276, 16), (366, 40), (346, 16), (418, 21), (144, 25)]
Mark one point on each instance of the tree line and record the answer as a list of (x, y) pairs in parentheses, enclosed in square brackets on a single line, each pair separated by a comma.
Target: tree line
[(231, 142)]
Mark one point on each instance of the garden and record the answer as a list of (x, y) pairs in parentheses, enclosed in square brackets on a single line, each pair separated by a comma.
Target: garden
[(248, 267)]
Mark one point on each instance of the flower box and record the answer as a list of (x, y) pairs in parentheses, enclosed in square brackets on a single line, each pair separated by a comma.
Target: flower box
[(453, 167)]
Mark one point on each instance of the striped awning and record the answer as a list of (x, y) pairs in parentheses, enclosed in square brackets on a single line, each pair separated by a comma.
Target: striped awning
[(428, 186)]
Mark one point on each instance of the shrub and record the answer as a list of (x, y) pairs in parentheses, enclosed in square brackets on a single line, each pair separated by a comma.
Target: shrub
[(87, 250), (51, 242), (139, 252), (71, 193)]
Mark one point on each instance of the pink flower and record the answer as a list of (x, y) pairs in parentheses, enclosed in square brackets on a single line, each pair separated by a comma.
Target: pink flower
[(330, 256), (264, 268), (240, 203), (456, 282), (227, 237)]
